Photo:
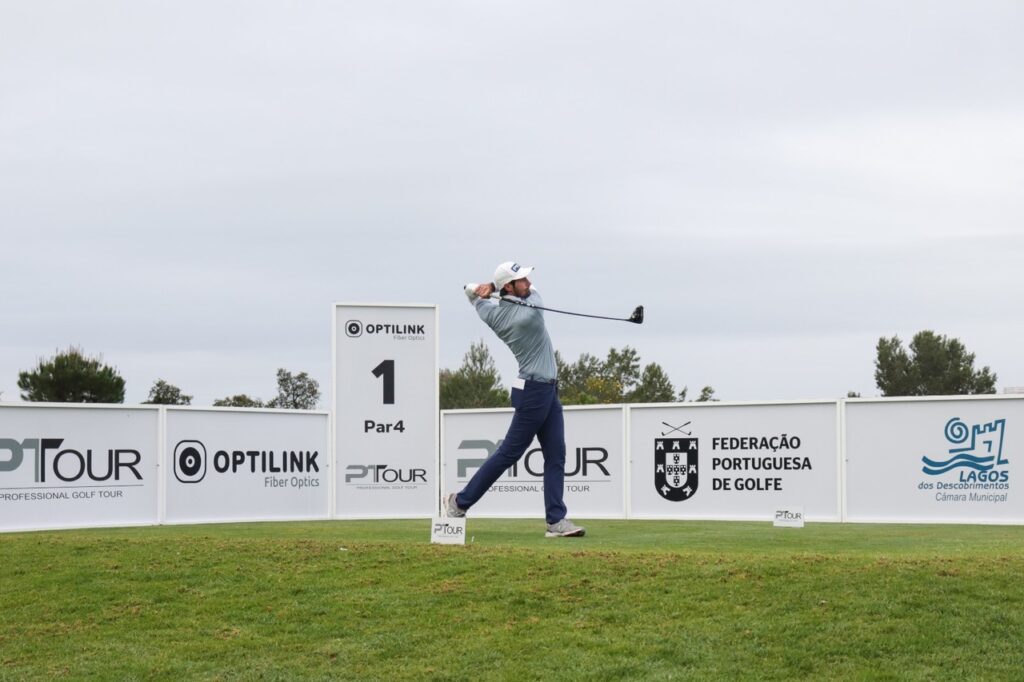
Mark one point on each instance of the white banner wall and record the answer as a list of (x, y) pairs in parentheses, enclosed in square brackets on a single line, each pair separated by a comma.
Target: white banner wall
[(246, 465), (385, 411), (935, 460), (78, 467), (923, 460), (734, 461), (594, 463)]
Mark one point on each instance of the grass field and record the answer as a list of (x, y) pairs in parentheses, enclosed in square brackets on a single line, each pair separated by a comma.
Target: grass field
[(633, 599)]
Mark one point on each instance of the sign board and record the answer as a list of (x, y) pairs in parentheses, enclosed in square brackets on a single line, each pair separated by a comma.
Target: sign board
[(77, 467), (445, 530), (935, 460), (385, 410), (791, 517), (594, 463), (734, 461), (246, 465)]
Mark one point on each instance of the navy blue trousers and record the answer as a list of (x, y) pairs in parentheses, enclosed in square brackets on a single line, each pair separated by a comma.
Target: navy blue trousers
[(538, 413)]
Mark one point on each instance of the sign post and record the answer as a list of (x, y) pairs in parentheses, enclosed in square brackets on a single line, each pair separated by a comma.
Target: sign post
[(385, 410)]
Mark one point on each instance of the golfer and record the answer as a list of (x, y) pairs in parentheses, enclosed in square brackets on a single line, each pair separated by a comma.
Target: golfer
[(534, 397)]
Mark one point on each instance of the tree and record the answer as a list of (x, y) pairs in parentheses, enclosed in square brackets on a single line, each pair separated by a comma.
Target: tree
[(70, 377), (654, 387), (935, 365), (584, 382), (707, 395), (164, 393), (622, 369), (295, 392), (240, 400), (590, 380), (475, 384), (616, 379), (893, 368)]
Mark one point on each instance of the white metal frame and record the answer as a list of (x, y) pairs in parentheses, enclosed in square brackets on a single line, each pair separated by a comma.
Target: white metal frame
[(841, 450), (937, 398)]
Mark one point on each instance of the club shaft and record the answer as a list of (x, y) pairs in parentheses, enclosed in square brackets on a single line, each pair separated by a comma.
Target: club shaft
[(564, 312)]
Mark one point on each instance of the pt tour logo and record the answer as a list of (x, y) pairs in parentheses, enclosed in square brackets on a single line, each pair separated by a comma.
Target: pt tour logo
[(53, 462), (976, 451), (675, 464)]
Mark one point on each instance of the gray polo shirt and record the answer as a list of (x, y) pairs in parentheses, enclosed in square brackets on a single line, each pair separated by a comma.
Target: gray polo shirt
[(522, 329)]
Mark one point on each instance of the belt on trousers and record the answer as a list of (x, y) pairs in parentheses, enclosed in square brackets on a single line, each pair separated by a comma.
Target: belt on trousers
[(539, 380)]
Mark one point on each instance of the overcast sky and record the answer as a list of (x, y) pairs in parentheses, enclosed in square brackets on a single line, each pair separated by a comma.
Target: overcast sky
[(187, 187)]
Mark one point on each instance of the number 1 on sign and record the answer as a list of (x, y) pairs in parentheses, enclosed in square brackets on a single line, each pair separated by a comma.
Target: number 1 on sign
[(386, 369)]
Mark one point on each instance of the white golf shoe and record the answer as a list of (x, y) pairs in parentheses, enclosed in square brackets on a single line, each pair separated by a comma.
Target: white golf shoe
[(565, 529), (451, 508)]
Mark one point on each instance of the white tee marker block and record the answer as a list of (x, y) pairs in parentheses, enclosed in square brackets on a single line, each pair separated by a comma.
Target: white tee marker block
[(445, 530)]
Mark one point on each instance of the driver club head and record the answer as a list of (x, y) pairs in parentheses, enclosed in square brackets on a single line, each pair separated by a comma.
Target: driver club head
[(638, 315)]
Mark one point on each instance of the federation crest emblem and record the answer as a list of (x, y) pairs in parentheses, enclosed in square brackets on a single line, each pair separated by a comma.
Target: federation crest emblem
[(675, 468)]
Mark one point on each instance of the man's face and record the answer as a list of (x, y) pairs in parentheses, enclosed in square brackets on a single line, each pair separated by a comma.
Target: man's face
[(521, 287)]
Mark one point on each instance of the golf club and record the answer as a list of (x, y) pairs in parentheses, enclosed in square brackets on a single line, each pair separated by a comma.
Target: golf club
[(636, 318), (676, 428)]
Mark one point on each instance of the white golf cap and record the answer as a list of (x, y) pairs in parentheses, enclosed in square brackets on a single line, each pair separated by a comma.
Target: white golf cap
[(509, 272)]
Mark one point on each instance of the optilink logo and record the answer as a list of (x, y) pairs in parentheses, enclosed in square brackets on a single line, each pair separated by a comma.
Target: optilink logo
[(355, 329), (976, 451), (53, 463), (190, 462)]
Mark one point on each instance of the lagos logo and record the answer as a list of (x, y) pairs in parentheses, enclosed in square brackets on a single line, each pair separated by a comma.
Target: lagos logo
[(976, 451), (675, 465)]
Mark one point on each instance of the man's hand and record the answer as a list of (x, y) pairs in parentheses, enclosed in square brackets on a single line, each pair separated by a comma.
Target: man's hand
[(475, 291)]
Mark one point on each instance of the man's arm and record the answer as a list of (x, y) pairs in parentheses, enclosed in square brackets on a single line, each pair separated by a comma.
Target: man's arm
[(487, 308), (476, 291)]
